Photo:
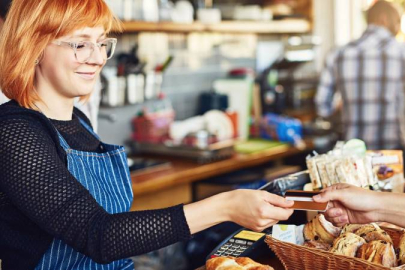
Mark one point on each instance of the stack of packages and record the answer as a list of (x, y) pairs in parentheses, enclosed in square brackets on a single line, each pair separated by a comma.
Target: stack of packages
[(359, 168)]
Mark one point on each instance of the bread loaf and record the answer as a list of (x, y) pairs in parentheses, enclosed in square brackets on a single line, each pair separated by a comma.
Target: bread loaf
[(351, 228), (347, 244), (231, 263), (317, 245), (219, 263), (372, 232), (319, 229), (250, 264), (378, 251), (401, 250)]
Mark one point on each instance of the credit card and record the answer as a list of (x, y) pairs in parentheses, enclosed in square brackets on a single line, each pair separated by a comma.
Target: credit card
[(303, 200)]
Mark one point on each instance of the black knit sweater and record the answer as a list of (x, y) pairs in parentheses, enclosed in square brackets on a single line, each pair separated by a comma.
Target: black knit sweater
[(40, 200)]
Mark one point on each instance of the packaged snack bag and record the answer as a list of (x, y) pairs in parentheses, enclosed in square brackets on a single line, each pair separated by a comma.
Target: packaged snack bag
[(313, 172)]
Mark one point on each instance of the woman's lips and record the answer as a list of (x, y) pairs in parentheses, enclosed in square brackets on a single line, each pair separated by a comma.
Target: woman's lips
[(87, 75)]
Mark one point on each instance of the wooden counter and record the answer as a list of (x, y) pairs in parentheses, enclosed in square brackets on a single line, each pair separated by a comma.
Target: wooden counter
[(172, 185)]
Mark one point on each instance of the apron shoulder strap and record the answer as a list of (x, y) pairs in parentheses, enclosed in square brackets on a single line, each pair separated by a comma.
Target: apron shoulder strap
[(89, 129)]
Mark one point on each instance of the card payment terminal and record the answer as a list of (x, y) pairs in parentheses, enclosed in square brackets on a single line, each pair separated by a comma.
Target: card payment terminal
[(243, 243)]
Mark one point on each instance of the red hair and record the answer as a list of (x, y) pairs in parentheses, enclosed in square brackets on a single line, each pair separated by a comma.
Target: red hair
[(30, 26)]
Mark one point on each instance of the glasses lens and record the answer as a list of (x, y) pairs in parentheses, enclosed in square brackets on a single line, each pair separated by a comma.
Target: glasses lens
[(108, 48), (84, 50)]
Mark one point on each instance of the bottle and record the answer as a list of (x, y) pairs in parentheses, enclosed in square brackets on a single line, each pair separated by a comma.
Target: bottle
[(122, 85), (151, 10)]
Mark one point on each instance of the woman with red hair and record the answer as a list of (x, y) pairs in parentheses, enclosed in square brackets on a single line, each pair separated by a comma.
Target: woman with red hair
[(64, 194)]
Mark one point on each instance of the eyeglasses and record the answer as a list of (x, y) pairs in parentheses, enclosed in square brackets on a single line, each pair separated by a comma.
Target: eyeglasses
[(84, 49)]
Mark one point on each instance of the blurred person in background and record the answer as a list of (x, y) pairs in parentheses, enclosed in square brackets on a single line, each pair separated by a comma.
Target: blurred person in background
[(368, 75)]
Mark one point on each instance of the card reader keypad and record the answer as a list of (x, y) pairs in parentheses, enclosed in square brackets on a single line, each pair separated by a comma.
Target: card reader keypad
[(234, 247)]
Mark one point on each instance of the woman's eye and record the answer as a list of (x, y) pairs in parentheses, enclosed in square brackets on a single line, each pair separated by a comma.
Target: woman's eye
[(80, 45)]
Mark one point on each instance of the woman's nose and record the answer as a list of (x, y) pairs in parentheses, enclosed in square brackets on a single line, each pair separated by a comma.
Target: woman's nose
[(96, 56)]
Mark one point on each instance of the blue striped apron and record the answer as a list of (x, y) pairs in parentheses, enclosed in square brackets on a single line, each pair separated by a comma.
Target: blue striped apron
[(106, 176)]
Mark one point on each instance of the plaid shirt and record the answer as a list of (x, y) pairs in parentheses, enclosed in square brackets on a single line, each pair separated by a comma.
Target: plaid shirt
[(369, 75)]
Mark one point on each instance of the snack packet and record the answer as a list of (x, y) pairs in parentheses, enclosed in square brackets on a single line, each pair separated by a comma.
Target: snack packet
[(289, 233), (313, 172)]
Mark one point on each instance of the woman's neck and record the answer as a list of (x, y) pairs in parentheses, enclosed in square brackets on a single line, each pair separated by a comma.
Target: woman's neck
[(57, 109)]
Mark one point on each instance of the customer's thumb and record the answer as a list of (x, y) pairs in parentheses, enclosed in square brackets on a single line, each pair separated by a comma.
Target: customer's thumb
[(328, 195)]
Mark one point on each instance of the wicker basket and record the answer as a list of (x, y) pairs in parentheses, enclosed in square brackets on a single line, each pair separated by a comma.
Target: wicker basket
[(296, 257)]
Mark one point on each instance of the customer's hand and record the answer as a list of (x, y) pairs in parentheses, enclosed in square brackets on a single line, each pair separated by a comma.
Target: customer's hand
[(350, 204), (257, 209)]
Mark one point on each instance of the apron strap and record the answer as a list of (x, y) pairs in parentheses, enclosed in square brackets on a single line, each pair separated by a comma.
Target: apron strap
[(89, 129), (64, 143)]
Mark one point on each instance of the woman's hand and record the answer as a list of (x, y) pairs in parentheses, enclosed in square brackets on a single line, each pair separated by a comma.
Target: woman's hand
[(350, 204), (252, 209), (257, 209)]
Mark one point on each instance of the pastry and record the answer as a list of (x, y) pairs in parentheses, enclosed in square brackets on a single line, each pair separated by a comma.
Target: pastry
[(347, 244), (351, 228), (379, 252), (248, 263), (384, 172), (317, 245), (365, 228), (220, 262), (319, 229), (371, 232), (231, 263), (401, 250)]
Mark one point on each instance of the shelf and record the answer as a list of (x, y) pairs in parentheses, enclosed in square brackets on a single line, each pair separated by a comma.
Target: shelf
[(288, 26)]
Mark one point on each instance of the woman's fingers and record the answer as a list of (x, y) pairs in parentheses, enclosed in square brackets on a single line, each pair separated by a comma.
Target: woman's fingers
[(277, 200), (268, 211)]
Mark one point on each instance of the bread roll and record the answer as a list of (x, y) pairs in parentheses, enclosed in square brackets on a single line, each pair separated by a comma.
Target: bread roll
[(379, 252), (319, 229), (232, 267), (317, 245), (351, 228), (401, 250), (347, 244), (218, 262), (250, 264), (231, 263), (372, 232)]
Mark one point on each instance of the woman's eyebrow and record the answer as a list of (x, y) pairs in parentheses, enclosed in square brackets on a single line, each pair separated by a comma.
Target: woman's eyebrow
[(87, 36)]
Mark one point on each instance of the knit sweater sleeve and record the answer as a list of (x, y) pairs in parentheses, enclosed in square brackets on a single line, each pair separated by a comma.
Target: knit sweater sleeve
[(37, 182)]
